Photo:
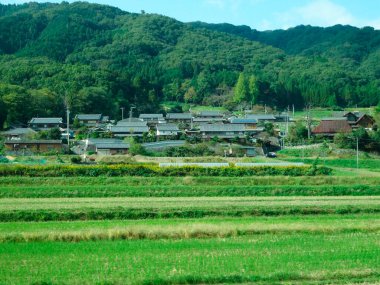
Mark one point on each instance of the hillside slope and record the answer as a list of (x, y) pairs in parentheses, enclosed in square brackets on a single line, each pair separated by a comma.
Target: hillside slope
[(98, 58)]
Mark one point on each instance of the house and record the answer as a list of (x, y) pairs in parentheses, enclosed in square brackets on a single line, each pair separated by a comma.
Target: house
[(132, 124), (167, 130), (199, 121), (112, 148), (45, 123), (90, 144), (18, 133), (250, 124), (179, 118), (89, 120), (365, 121), (128, 131), (211, 115), (225, 131), (34, 145), (330, 126), (261, 117), (155, 146), (152, 119)]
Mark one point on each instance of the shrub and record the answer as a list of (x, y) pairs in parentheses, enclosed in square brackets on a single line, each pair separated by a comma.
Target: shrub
[(76, 159)]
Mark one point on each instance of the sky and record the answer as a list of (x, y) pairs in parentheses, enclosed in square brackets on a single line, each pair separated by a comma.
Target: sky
[(258, 14)]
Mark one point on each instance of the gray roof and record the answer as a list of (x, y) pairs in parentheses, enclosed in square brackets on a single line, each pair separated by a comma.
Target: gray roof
[(243, 121), (167, 127), (151, 116), (164, 144), (179, 116), (19, 131), (223, 128), (334, 119), (112, 146), (200, 120), (117, 129), (103, 141), (46, 121), (261, 117), (131, 120), (87, 117), (211, 114), (131, 124), (33, 141)]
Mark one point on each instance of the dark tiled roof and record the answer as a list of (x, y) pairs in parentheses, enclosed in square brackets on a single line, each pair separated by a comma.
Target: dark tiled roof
[(261, 117), (46, 121), (33, 142), (167, 127), (19, 131), (112, 146), (243, 121), (89, 117), (116, 129), (131, 124), (222, 128), (332, 127), (151, 116), (211, 114), (179, 116)]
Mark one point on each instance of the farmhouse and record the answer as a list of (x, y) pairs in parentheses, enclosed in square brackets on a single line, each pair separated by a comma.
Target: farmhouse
[(250, 124), (112, 148), (261, 117), (167, 130), (365, 121), (225, 131), (18, 133), (89, 120), (152, 119), (330, 126), (34, 145), (45, 123), (211, 115), (128, 131), (179, 118)]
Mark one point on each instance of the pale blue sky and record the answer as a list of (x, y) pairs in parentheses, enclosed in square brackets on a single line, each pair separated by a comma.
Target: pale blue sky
[(259, 14)]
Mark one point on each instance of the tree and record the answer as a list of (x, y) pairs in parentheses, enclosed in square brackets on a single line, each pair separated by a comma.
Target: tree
[(297, 133), (241, 91), (253, 90)]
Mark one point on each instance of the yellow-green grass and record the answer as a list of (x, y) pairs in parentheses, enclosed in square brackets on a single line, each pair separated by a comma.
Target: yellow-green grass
[(188, 180), (50, 209), (337, 258), (185, 228), (184, 202)]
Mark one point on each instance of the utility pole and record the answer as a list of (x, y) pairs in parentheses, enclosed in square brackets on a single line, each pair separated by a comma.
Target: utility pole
[(265, 108), (122, 113), (357, 153), (131, 112), (293, 111), (287, 121), (309, 120), (68, 127)]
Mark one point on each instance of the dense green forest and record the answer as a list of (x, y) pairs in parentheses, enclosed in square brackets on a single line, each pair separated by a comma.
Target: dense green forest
[(97, 58)]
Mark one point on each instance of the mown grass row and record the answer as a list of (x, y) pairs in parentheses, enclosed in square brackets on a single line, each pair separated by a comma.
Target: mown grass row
[(264, 259), (184, 191), (151, 213), (178, 229)]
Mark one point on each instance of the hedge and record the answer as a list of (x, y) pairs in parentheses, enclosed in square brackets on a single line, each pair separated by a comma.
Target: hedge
[(151, 171)]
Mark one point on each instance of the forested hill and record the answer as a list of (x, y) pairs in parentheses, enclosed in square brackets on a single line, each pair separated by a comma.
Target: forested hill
[(98, 58)]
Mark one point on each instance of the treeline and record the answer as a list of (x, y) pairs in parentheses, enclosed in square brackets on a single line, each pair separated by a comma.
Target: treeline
[(97, 58)]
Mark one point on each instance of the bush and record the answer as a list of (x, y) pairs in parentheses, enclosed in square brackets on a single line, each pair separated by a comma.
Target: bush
[(151, 170), (76, 159)]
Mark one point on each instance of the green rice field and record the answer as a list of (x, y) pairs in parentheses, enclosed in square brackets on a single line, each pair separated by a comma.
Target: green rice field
[(190, 230)]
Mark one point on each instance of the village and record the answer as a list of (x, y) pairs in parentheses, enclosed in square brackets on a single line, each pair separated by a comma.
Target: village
[(253, 134)]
